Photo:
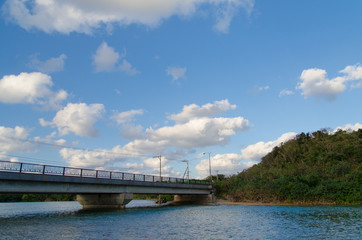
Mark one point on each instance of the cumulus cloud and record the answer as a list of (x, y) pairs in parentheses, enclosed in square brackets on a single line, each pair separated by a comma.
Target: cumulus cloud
[(106, 59), (49, 66), (226, 164), (192, 129), (77, 118), (314, 82), (176, 72), (66, 16), (199, 132), (353, 72), (127, 116), (14, 140), (256, 151), (96, 158), (30, 88), (194, 111), (232, 163), (349, 127), (109, 158)]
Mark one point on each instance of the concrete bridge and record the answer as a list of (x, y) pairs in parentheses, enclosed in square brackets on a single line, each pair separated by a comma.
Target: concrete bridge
[(97, 188)]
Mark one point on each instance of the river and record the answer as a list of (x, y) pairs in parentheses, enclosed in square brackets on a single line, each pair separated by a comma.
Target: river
[(143, 220)]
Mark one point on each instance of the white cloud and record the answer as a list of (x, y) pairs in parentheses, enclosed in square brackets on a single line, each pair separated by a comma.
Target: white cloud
[(107, 59), (92, 158), (232, 163), (127, 68), (193, 130), (226, 164), (314, 82), (49, 66), (198, 132), (256, 151), (194, 111), (127, 116), (353, 72), (152, 166), (227, 10), (108, 159), (66, 16), (348, 127), (14, 140), (78, 118), (176, 72), (50, 140), (285, 92), (31, 88)]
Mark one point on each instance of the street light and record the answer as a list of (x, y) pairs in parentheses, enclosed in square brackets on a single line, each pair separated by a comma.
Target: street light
[(187, 171), (209, 165), (159, 196), (160, 166)]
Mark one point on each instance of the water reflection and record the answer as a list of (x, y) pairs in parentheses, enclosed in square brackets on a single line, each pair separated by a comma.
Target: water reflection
[(66, 220)]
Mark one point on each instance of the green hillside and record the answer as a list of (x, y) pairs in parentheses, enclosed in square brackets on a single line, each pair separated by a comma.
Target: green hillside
[(316, 168)]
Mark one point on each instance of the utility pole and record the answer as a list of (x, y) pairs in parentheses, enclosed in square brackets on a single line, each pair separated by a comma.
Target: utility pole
[(209, 165)]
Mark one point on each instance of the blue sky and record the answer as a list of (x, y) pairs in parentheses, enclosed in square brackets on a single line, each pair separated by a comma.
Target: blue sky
[(111, 84)]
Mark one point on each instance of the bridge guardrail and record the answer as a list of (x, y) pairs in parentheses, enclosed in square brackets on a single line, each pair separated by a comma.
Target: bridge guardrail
[(31, 168)]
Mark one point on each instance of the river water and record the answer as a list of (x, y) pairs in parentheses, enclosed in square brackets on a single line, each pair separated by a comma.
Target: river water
[(143, 220)]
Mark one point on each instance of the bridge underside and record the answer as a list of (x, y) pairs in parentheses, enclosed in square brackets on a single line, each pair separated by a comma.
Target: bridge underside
[(119, 201)]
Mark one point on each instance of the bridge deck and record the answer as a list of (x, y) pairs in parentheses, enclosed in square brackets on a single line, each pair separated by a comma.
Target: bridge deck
[(34, 178)]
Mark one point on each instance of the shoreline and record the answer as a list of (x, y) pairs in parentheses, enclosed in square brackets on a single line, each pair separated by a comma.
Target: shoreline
[(296, 204)]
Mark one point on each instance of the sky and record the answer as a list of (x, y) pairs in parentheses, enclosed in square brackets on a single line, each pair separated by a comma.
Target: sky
[(113, 84)]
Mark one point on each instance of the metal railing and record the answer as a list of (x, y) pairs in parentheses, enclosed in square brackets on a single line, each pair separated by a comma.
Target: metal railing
[(31, 168)]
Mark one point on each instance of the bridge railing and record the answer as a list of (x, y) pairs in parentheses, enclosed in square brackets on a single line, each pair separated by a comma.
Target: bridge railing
[(31, 168)]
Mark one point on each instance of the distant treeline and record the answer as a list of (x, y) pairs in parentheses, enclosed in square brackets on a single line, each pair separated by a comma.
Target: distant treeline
[(36, 197), (66, 197), (312, 168)]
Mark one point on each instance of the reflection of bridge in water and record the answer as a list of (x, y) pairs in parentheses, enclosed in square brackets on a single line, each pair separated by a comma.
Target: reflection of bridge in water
[(97, 188)]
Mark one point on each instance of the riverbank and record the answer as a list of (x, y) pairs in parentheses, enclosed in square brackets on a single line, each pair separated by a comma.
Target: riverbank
[(252, 203)]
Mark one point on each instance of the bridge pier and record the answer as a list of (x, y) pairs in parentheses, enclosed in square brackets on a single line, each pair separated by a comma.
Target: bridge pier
[(104, 200), (198, 199)]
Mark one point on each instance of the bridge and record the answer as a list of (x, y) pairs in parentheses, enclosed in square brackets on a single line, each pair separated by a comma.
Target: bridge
[(97, 188)]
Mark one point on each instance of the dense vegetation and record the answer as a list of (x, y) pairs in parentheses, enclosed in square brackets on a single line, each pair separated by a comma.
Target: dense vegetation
[(19, 197), (316, 168), (36, 197)]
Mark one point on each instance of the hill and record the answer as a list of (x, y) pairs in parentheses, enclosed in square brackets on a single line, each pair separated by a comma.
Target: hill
[(316, 168)]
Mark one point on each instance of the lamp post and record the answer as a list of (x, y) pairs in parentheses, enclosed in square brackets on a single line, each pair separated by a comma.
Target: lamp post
[(187, 172), (209, 165), (159, 196), (160, 166)]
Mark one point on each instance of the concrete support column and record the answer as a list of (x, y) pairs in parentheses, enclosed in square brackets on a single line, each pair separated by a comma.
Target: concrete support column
[(104, 200), (198, 199)]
